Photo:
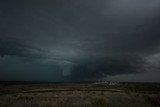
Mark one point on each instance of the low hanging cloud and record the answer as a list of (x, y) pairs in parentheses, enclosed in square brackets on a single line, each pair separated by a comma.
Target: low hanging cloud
[(15, 47), (83, 40), (108, 66), (10, 46)]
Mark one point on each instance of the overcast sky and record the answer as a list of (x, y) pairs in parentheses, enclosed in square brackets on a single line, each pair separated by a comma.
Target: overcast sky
[(80, 40)]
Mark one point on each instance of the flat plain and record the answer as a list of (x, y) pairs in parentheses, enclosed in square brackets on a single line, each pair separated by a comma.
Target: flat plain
[(79, 95)]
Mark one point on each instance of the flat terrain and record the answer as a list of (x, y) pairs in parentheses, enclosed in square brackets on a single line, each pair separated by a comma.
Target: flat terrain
[(80, 95)]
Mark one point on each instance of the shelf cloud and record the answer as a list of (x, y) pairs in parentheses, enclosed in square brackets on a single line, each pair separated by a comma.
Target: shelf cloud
[(79, 40)]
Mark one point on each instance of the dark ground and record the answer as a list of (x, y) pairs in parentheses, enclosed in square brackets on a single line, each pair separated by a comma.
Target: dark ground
[(43, 94)]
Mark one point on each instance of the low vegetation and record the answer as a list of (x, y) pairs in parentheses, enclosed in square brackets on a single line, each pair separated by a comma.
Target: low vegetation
[(79, 95)]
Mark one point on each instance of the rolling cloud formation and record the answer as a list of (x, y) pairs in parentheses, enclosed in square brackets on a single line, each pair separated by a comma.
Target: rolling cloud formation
[(80, 40)]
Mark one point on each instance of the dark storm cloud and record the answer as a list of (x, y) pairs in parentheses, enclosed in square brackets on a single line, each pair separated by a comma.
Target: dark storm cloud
[(15, 47), (87, 39), (108, 66)]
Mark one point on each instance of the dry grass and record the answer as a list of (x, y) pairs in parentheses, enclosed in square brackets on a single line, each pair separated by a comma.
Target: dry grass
[(79, 99), (51, 96), (152, 99), (100, 102)]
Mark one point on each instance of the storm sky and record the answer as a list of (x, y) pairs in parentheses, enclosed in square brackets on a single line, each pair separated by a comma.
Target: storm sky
[(80, 40)]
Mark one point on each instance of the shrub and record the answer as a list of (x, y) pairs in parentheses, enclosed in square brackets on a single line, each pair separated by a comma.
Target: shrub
[(20, 97), (99, 102)]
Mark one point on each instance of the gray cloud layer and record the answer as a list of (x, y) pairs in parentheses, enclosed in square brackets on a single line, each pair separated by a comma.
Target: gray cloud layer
[(85, 39)]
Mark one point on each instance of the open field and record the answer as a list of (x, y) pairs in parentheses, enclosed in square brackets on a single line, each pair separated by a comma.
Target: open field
[(80, 95)]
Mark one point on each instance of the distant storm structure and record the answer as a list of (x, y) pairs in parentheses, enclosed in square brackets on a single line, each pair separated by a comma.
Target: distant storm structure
[(80, 40)]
